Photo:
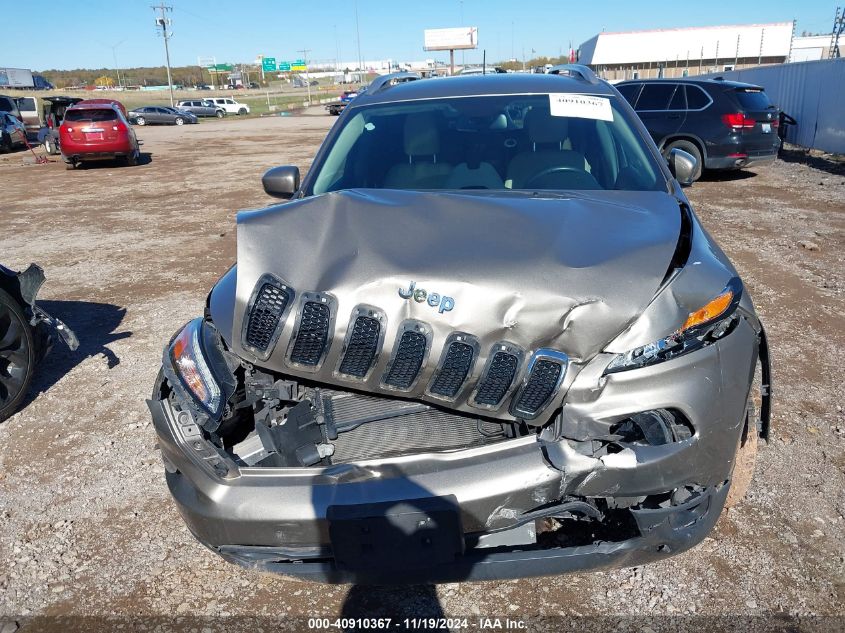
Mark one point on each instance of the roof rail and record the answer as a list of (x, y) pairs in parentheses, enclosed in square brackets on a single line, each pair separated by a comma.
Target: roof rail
[(385, 81), (578, 71)]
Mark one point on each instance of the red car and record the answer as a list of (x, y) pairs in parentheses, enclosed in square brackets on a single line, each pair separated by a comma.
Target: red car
[(97, 132)]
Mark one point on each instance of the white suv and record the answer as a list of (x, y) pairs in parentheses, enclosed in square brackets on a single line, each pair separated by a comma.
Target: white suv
[(230, 105)]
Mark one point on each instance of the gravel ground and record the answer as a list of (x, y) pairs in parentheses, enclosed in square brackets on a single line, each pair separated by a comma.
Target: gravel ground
[(87, 528)]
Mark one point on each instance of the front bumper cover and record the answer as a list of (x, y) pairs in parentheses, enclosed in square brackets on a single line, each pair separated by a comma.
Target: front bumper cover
[(276, 519)]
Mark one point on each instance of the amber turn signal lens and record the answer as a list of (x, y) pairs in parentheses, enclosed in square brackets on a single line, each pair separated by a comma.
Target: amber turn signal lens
[(711, 311)]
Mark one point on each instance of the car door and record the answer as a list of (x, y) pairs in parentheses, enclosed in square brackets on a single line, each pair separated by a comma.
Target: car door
[(662, 107), (147, 113), (163, 116), (16, 130), (630, 92)]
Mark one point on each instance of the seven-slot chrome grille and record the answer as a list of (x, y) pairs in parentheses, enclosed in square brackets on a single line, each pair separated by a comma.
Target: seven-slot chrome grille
[(491, 387)]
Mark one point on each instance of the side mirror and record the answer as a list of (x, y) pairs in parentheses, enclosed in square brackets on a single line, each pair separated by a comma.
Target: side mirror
[(281, 182), (683, 166)]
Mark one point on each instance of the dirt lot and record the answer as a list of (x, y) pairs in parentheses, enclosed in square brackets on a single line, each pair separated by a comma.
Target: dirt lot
[(87, 527)]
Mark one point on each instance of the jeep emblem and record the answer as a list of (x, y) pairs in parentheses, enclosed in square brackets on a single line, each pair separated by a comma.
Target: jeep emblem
[(420, 295)]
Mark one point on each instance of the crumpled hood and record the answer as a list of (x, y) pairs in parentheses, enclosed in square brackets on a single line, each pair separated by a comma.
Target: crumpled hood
[(564, 272)]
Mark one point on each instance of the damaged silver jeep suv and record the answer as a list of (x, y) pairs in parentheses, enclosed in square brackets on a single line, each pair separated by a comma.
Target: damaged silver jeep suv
[(487, 338)]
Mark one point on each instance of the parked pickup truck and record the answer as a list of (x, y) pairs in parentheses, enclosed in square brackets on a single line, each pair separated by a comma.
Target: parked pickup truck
[(337, 107)]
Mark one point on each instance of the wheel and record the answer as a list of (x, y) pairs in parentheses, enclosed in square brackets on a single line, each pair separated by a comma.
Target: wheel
[(50, 146), (179, 121), (690, 148), (5, 144), (242, 111), (220, 114), (746, 457), (141, 120), (17, 354), (130, 160)]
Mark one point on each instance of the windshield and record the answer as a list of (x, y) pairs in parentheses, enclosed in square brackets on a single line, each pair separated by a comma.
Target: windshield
[(558, 142)]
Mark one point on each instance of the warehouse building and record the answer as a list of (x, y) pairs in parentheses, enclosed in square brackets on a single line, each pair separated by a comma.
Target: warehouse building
[(686, 51)]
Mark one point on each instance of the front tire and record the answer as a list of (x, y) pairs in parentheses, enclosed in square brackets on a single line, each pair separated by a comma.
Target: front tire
[(179, 121), (690, 148), (17, 355), (746, 457), (5, 144), (220, 114), (242, 111), (141, 120), (50, 147)]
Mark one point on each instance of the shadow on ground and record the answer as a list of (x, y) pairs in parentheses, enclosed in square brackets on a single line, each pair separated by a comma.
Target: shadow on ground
[(723, 175), (95, 324), (828, 163), (412, 602), (144, 158)]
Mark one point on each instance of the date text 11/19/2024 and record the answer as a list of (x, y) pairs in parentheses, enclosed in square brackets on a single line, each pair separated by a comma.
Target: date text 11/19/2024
[(420, 624)]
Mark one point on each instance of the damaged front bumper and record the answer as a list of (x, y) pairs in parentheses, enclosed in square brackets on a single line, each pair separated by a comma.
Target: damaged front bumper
[(537, 505)]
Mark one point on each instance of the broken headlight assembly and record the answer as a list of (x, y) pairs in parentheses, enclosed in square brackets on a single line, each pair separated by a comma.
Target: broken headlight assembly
[(706, 325), (197, 361)]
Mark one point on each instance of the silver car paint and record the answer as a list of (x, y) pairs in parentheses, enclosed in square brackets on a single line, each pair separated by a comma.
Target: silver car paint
[(568, 273), (495, 484)]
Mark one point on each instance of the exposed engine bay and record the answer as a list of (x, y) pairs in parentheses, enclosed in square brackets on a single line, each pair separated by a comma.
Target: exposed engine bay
[(302, 425)]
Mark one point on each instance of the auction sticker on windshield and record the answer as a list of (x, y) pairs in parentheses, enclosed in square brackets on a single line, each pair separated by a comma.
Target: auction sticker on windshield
[(580, 106)]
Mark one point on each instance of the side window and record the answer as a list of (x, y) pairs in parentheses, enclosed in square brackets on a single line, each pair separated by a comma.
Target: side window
[(655, 96), (678, 101), (696, 98), (230, 101), (630, 91)]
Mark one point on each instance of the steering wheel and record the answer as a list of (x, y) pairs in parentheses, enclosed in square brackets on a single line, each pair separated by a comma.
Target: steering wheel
[(580, 173)]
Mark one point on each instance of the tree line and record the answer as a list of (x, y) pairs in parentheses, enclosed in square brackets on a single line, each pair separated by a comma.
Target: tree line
[(144, 76)]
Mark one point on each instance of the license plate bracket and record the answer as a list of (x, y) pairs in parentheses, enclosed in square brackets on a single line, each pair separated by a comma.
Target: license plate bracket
[(396, 535)]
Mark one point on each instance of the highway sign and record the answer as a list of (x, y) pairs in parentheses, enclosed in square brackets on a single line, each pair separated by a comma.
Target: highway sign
[(268, 64), (284, 66)]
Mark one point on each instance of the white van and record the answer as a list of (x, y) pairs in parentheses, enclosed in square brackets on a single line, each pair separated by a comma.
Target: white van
[(30, 116)]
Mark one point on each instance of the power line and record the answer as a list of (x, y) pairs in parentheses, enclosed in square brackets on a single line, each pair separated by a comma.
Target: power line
[(162, 23)]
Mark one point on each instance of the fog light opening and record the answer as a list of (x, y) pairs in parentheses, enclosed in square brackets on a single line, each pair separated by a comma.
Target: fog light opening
[(654, 428)]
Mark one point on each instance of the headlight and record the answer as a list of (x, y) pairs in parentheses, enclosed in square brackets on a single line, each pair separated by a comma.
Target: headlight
[(704, 326), (189, 357)]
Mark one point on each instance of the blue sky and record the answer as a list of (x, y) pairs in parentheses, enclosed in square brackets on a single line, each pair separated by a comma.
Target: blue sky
[(81, 33)]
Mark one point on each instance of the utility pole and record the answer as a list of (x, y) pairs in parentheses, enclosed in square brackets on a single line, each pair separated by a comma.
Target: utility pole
[(162, 23), (116, 67), (305, 52), (358, 38)]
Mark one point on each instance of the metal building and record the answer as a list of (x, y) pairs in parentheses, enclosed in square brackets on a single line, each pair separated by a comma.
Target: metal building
[(685, 52)]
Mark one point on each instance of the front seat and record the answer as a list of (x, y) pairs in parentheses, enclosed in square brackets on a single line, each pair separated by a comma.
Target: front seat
[(550, 147), (421, 145)]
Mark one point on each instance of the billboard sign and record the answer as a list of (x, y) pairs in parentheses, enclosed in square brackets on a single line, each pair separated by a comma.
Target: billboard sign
[(464, 37)]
